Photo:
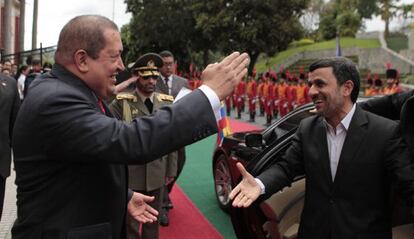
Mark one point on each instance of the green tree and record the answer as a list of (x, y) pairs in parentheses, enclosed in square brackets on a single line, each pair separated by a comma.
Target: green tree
[(253, 26), (387, 9), (342, 17), (189, 27), (158, 25)]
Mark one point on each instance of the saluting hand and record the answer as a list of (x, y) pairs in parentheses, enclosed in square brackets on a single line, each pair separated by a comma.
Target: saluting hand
[(140, 210), (247, 191), (222, 77)]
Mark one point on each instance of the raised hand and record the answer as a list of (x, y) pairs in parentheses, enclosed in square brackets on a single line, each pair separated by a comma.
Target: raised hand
[(247, 191), (222, 77)]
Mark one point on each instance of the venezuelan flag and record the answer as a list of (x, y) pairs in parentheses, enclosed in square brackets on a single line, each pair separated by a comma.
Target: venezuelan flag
[(223, 125)]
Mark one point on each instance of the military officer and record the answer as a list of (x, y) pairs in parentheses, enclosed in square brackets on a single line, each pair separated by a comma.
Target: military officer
[(392, 86), (150, 178)]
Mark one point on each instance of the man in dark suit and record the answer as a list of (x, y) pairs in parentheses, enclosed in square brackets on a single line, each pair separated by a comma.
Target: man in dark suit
[(348, 180), (71, 154), (399, 106), (169, 83), (9, 105)]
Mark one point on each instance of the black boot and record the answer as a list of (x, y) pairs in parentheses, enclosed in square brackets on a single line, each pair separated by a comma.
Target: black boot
[(164, 221), (268, 120), (251, 117)]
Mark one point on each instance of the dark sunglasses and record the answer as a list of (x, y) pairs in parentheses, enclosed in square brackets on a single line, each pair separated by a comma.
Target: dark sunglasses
[(149, 77)]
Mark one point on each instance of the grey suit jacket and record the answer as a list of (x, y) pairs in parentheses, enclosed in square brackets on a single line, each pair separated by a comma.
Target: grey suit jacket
[(177, 83), (9, 106), (357, 203), (70, 158), (149, 176)]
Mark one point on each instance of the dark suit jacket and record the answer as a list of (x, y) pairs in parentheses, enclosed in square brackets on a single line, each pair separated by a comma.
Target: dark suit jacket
[(70, 158), (9, 106), (177, 83), (398, 106), (357, 203)]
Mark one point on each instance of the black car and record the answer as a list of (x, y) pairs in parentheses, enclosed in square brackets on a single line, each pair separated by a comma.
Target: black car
[(279, 215)]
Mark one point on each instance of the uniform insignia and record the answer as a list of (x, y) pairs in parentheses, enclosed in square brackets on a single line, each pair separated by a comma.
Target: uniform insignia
[(3, 83), (126, 96), (163, 97), (151, 63)]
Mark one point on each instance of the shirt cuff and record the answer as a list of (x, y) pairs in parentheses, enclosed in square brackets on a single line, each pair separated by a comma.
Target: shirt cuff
[(262, 186), (213, 99)]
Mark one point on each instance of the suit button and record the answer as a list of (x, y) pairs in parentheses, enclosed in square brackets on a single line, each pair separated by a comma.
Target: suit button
[(331, 201)]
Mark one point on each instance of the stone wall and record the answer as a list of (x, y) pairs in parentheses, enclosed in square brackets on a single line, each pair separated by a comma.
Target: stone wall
[(373, 59)]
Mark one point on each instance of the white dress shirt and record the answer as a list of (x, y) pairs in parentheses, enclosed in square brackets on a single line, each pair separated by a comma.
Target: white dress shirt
[(20, 85), (336, 138)]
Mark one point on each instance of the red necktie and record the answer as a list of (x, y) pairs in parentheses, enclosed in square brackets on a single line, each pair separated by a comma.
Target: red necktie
[(101, 106)]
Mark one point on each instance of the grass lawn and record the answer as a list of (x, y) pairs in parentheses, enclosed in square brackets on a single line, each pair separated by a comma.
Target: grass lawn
[(263, 63)]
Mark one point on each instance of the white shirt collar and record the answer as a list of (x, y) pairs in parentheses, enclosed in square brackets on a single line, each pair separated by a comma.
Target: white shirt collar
[(345, 122)]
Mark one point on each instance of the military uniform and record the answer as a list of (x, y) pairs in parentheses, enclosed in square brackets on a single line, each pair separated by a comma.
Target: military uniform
[(150, 178)]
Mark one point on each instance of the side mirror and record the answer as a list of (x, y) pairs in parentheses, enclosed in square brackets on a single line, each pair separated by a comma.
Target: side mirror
[(253, 140)]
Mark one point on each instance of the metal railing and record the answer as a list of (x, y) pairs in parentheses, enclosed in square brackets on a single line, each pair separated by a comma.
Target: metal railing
[(44, 54)]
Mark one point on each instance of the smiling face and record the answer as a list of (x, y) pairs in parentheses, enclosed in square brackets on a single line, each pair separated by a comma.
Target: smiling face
[(101, 72), (331, 99)]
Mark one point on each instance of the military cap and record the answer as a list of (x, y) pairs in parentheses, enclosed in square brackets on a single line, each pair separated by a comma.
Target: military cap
[(391, 74), (148, 65), (378, 82)]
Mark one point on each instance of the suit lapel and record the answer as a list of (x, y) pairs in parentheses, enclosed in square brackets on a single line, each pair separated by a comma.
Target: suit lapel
[(354, 137), (162, 87), (174, 87), (323, 149)]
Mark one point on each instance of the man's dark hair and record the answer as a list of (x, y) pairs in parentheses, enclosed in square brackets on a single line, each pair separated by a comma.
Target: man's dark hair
[(343, 70), (166, 54), (83, 32)]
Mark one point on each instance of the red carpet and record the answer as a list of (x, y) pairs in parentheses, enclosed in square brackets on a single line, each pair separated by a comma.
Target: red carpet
[(238, 126), (186, 221)]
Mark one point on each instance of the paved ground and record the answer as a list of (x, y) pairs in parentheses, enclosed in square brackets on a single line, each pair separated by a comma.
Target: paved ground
[(10, 210)]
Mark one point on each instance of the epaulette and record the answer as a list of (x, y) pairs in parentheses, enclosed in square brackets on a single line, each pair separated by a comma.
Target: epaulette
[(164, 97), (126, 96)]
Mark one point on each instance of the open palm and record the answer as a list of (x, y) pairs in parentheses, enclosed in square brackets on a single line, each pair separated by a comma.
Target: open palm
[(247, 191)]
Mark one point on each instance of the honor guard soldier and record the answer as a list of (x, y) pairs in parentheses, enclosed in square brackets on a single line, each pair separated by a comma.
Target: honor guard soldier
[(143, 101), (378, 86), (392, 82), (302, 90), (282, 94), (260, 94), (251, 90), (240, 94), (369, 86)]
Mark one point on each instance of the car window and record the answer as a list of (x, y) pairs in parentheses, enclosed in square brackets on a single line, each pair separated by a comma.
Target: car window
[(270, 155), (290, 123)]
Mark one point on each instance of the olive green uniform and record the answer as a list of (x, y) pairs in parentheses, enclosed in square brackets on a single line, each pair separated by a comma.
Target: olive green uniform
[(150, 178)]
